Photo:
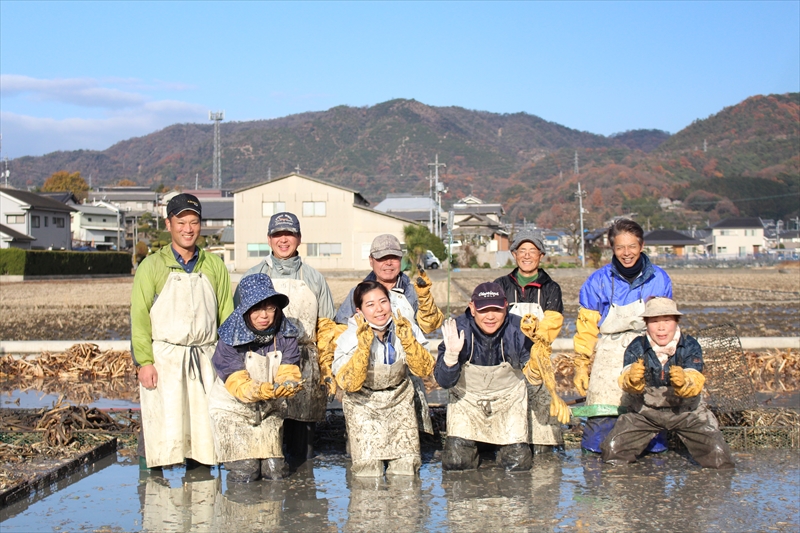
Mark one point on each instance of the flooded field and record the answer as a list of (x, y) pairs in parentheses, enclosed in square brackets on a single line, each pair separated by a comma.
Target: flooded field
[(572, 492)]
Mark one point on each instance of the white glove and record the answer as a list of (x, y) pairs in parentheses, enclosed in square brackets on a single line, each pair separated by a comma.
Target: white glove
[(453, 341)]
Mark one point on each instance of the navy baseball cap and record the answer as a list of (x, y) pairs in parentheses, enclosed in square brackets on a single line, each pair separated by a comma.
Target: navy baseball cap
[(184, 202), (489, 294), (283, 222)]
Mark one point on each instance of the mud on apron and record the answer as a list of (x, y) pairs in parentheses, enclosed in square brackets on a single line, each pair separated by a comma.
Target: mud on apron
[(380, 418), (248, 430), (622, 324), (489, 404), (543, 429), (175, 417), (309, 404), (403, 307)]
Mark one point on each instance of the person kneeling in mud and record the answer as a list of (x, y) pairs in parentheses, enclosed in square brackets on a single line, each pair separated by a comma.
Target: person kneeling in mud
[(256, 361), (663, 374), (371, 363), (484, 361)]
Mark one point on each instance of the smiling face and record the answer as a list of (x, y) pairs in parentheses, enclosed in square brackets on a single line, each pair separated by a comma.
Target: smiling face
[(386, 269), (488, 319), (627, 249), (376, 307), (527, 257), (284, 244), (662, 328), (184, 229), (262, 315)]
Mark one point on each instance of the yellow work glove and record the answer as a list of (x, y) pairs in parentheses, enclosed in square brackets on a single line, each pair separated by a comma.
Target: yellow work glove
[(528, 325), (429, 316), (531, 371), (550, 326), (353, 373), (586, 332), (686, 382), (541, 354), (419, 360), (242, 387), (327, 333), (631, 380)]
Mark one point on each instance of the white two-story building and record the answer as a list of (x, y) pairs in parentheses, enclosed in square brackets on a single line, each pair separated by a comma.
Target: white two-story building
[(736, 237)]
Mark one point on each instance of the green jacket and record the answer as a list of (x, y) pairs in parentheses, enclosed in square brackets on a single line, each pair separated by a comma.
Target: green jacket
[(150, 279)]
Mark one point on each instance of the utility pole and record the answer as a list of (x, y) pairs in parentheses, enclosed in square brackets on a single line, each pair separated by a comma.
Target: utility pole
[(580, 195), (6, 173), (217, 177), (438, 189), (196, 178), (430, 207), (269, 173)]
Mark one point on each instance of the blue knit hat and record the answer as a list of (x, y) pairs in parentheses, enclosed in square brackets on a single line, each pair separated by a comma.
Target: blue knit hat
[(253, 290)]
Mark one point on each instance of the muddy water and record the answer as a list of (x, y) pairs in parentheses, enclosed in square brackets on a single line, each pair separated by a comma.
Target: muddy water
[(572, 492)]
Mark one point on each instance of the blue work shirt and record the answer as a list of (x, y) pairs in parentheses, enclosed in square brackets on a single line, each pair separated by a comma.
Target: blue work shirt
[(187, 266)]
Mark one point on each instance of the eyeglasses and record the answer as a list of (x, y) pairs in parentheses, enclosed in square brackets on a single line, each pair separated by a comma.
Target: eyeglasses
[(528, 253), (266, 308)]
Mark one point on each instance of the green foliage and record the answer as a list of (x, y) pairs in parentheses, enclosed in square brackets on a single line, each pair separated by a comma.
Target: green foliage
[(18, 262), (419, 240)]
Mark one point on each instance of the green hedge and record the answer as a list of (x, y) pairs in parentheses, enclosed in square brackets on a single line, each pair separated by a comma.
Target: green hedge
[(15, 261)]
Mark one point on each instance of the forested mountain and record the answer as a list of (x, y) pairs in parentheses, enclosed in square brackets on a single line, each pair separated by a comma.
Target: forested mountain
[(743, 160)]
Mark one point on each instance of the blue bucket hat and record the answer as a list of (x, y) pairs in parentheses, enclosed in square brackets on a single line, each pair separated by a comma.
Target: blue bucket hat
[(253, 290)]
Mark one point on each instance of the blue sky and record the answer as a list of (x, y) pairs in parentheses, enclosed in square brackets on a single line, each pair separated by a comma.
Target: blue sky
[(89, 74)]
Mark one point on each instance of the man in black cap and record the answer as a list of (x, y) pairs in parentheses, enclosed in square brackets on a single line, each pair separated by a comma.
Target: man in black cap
[(311, 310), (485, 362), (181, 294), (530, 290)]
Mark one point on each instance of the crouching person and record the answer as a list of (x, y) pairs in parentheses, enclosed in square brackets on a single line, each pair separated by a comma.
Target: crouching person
[(256, 363), (484, 362), (371, 363), (663, 374)]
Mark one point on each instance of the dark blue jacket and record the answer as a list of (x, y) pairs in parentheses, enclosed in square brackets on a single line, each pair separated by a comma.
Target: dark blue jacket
[(516, 347), (688, 354)]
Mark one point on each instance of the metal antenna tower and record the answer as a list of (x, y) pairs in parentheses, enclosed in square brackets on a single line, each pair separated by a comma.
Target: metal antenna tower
[(438, 190), (217, 177)]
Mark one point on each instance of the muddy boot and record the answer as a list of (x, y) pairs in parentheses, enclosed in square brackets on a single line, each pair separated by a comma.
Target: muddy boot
[(539, 449), (243, 471), (459, 454), (515, 457), (274, 468)]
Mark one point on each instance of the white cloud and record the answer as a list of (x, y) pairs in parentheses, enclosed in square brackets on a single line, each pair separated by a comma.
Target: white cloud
[(126, 107)]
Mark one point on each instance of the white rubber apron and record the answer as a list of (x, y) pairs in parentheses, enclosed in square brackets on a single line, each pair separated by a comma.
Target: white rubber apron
[(175, 417), (622, 324), (248, 430), (310, 403), (381, 424), (543, 429), (489, 404), (403, 307)]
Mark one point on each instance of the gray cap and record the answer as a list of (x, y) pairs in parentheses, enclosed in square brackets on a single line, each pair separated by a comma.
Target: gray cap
[(283, 222), (527, 236), (659, 306), (385, 245)]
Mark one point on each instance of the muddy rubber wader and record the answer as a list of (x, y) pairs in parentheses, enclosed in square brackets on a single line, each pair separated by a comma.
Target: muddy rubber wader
[(488, 404), (542, 428), (381, 422), (308, 406), (175, 418), (248, 430)]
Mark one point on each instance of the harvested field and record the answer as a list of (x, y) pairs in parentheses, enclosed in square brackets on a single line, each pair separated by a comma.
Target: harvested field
[(759, 301)]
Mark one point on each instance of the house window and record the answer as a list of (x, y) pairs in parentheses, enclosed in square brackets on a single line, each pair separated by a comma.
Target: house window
[(45, 221), (722, 249), (258, 250), (270, 208), (104, 220), (233, 255), (15, 219), (59, 222), (35, 221), (89, 219), (742, 251), (323, 249), (728, 232), (314, 209)]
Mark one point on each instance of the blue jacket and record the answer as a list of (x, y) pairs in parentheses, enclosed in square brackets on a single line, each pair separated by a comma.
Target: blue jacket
[(228, 359), (403, 286), (516, 347), (596, 292), (688, 354)]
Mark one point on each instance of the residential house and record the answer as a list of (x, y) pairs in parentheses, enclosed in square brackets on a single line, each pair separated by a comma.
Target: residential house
[(671, 242), (337, 223), (34, 222), (420, 209), (736, 237), (480, 223), (217, 209), (99, 225)]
